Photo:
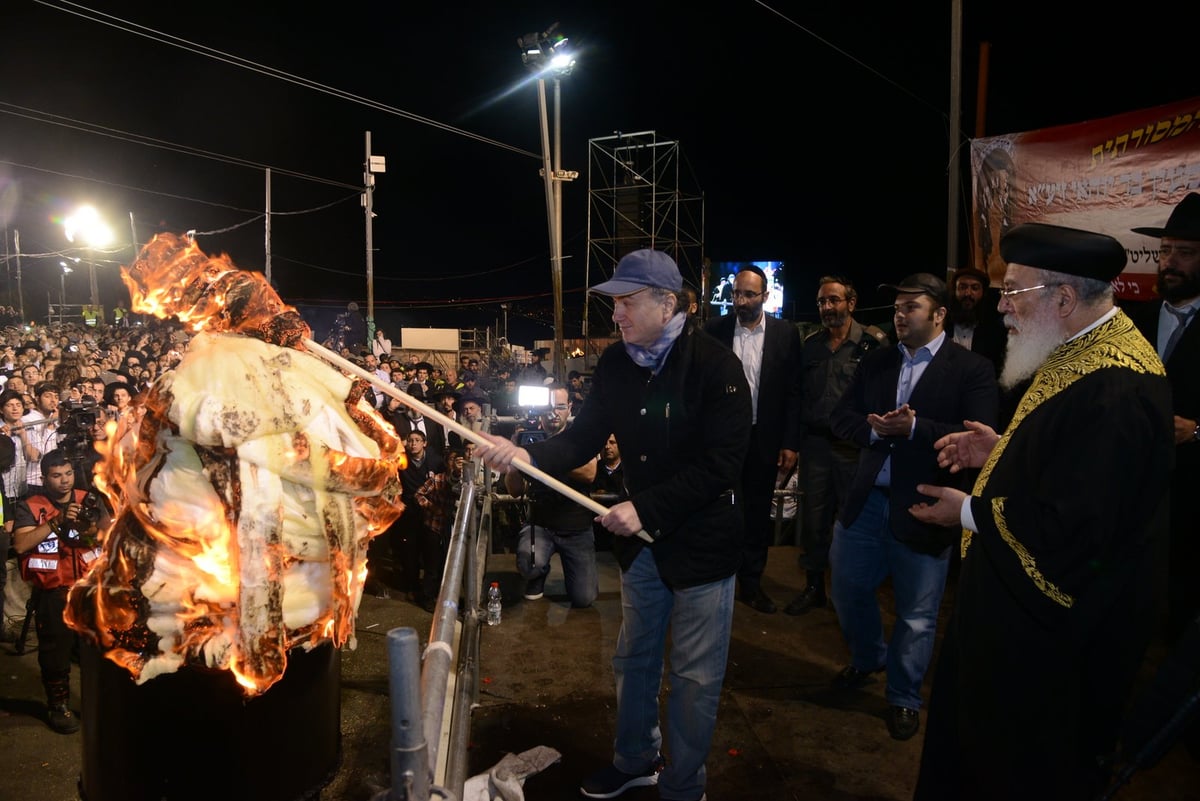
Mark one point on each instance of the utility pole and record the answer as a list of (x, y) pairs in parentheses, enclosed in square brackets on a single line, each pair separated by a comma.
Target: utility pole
[(267, 230), (955, 133), (20, 295), (373, 165)]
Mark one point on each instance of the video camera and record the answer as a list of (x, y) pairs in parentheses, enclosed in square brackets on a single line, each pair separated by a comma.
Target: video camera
[(75, 421), (533, 402)]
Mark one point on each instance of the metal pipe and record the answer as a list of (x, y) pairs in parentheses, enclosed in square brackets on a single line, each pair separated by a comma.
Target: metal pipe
[(467, 686), (439, 652), (409, 762)]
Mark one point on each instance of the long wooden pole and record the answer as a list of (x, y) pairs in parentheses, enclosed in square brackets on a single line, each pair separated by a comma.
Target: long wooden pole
[(474, 436)]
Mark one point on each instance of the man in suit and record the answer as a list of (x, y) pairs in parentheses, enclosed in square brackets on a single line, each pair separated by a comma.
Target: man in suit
[(409, 420), (1171, 325), (769, 350), (975, 324), (899, 403)]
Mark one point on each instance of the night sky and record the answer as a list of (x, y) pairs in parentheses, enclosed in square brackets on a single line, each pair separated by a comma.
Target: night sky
[(817, 133)]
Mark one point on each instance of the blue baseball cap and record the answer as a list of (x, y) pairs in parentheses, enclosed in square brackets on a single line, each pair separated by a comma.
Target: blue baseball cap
[(639, 270)]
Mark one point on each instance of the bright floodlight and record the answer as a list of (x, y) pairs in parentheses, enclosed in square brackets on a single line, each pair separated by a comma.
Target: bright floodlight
[(546, 52), (85, 224)]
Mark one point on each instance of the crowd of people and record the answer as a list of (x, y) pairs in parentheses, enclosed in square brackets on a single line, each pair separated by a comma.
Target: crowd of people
[(981, 442)]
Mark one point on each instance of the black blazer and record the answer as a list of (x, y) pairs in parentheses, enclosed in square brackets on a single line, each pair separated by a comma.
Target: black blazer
[(991, 340), (435, 435), (778, 423), (1183, 374), (957, 385)]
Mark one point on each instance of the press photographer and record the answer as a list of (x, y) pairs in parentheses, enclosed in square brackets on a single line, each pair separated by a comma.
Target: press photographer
[(555, 524), (54, 535)]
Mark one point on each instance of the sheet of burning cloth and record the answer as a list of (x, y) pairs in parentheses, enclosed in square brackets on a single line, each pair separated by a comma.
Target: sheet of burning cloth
[(242, 526)]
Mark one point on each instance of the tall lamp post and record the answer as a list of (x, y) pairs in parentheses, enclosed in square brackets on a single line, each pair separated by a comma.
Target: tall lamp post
[(62, 289), (85, 225), (543, 53)]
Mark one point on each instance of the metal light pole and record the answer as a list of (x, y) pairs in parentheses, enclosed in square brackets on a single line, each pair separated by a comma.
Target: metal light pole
[(547, 52), (62, 290), (86, 224)]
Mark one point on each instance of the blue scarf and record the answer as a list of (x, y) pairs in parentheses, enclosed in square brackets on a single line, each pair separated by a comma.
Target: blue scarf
[(654, 355)]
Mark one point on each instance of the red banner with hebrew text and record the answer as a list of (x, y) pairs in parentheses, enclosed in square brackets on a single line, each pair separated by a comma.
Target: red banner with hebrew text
[(1107, 175)]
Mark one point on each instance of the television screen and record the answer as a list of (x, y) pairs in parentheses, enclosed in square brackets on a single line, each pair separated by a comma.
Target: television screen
[(721, 280)]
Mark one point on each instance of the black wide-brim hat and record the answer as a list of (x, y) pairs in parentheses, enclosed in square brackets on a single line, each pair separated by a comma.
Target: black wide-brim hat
[(1059, 249), (1184, 222)]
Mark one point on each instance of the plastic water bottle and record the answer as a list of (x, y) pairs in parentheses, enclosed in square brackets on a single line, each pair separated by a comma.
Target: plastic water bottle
[(493, 604)]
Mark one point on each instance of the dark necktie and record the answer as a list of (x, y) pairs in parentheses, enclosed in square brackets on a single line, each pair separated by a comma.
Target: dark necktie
[(1182, 316)]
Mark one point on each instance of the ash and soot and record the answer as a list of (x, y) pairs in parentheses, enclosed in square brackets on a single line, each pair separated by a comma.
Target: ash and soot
[(245, 489)]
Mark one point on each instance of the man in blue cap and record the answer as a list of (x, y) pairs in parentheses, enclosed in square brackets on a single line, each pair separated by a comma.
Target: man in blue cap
[(678, 402)]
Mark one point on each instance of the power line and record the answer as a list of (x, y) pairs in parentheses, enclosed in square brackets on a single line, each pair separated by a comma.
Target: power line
[(36, 115), (262, 69)]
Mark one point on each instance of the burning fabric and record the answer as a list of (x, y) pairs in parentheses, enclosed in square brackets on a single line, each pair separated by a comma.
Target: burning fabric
[(246, 497)]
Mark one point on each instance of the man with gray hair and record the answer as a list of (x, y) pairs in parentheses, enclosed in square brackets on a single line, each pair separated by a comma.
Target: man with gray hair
[(1062, 536), (679, 402)]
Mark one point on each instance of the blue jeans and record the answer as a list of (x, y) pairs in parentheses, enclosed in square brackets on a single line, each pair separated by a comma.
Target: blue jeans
[(699, 619), (863, 555), (576, 549)]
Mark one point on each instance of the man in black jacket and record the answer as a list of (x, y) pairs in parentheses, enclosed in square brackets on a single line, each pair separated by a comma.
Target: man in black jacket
[(679, 403), (900, 401), (974, 323), (1170, 325), (769, 350)]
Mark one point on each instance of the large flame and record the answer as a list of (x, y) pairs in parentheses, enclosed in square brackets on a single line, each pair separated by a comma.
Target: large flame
[(246, 486)]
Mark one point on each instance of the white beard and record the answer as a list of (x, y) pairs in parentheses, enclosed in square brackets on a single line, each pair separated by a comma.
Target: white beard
[(1027, 350)]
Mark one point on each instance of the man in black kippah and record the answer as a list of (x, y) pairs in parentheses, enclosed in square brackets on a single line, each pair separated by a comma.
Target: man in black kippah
[(1062, 535)]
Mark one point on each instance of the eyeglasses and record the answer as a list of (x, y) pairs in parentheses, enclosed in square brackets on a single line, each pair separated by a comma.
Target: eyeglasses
[(832, 301), (746, 294), (561, 406), (1008, 293)]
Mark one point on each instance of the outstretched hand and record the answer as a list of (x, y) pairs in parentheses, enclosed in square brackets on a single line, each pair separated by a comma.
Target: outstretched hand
[(966, 449), (945, 511)]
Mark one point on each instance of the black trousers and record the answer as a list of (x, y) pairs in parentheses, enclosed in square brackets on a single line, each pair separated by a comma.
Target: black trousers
[(56, 641), (758, 490)]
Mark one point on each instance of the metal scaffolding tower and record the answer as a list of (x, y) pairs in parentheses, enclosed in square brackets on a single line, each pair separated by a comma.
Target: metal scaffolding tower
[(641, 194)]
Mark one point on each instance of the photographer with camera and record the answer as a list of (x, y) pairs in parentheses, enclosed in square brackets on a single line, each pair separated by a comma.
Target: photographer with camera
[(54, 535), (83, 428), (556, 524)]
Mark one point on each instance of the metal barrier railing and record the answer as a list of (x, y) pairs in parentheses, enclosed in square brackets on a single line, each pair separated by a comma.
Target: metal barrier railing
[(415, 749), (414, 754)]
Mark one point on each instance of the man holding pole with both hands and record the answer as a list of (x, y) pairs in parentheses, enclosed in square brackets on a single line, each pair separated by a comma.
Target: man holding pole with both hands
[(678, 402), (1062, 536)]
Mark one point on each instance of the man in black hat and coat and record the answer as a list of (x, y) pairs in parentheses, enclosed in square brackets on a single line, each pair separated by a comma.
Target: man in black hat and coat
[(769, 351), (1170, 325), (974, 323), (1062, 534)]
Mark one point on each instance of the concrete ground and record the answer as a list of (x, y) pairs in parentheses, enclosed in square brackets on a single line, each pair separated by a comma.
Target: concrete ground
[(546, 681)]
